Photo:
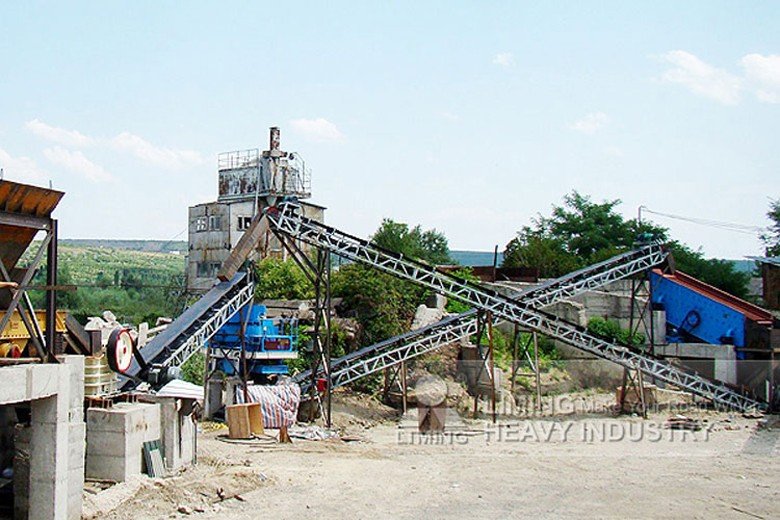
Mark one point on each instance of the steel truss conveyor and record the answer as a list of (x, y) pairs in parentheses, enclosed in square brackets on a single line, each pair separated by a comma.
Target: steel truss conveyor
[(286, 219), (157, 360), (403, 347)]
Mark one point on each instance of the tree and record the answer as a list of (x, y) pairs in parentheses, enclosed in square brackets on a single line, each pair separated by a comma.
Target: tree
[(281, 280), (583, 232), (771, 238), (430, 246), (547, 254), (383, 304), (579, 233)]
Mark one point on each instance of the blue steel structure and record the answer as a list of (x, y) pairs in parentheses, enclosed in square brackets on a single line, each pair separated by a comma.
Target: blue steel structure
[(698, 312), (269, 343)]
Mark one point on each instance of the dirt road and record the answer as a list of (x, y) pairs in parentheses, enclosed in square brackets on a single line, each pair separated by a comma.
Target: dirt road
[(570, 466)]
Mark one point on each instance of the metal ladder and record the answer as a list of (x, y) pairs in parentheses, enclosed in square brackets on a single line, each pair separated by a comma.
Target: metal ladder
[(286, 219), (379, 356)]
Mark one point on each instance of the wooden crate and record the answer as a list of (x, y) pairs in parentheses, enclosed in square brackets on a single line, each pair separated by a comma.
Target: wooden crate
[(244, 420)]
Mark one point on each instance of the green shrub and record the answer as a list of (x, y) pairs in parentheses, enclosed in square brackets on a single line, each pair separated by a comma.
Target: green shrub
[(610, 329)]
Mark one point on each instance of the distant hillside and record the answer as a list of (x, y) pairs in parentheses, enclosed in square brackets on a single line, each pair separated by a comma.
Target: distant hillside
[(744, 266), (147, 246), (472, 258)]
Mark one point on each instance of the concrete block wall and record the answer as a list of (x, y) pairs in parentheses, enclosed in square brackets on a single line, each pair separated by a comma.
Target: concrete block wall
[(49, 452), (115, 439)]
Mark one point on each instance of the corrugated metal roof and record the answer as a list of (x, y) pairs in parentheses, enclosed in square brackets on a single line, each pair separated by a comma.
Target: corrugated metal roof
[(22, 199)]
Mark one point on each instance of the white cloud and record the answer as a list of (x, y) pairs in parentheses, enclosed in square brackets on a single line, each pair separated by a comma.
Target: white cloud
[(591, 123), (126, 142), (77, 163), (763, 74), (21, 169), (701, 78), (318, 130), (160, 156), (614, 151), (504, 59), (59, 135)]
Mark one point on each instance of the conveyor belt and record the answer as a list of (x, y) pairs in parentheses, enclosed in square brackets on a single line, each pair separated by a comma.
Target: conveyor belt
[(190, 331), (379, 356), (286, 219)]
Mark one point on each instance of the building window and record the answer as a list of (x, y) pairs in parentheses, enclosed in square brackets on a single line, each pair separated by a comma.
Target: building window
[(215, 223), (244, 223), (208, 269), (201, 224)]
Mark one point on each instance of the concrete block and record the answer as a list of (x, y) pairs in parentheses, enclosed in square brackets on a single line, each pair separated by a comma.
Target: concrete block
[(152, 421), (14, 387), (115, 439), (127, 417), (44, 380), (22, 436), (76, 445), (76, 366), (49, 497), (117, 468), (75, 492), (112, 443), (55, 408), (49, 449)]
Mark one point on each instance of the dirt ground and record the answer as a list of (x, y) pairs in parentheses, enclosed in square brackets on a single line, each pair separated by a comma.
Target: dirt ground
[(565, 464)]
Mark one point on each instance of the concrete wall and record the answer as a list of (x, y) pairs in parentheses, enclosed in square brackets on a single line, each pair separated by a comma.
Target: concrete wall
[(54, 440)]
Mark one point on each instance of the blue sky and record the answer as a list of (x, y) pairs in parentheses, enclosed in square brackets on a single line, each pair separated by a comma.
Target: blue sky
[(470, 117)]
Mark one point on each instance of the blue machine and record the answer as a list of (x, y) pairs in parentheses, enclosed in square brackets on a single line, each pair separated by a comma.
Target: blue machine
[(696, 311), (268, 342)]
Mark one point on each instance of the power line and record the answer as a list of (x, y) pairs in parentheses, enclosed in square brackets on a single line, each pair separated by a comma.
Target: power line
[(719, 224)]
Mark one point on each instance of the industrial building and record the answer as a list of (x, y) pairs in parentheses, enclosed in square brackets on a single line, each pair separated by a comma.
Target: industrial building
[(249, 181)]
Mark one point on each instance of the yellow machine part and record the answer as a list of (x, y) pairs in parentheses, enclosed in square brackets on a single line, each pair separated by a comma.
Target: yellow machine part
[(16, 332), (9, 349)]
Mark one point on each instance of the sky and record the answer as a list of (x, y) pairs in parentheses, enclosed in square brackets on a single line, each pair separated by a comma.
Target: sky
[(468, 117)]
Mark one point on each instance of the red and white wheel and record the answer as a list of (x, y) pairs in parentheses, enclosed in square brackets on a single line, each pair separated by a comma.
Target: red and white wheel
[(120, 350)]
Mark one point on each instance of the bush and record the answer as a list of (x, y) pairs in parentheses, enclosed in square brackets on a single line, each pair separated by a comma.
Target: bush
[(194, 369), (281, 280), (611, 330)]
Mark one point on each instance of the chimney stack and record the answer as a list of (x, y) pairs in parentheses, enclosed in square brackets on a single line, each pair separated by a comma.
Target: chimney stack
[(275, 138)]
